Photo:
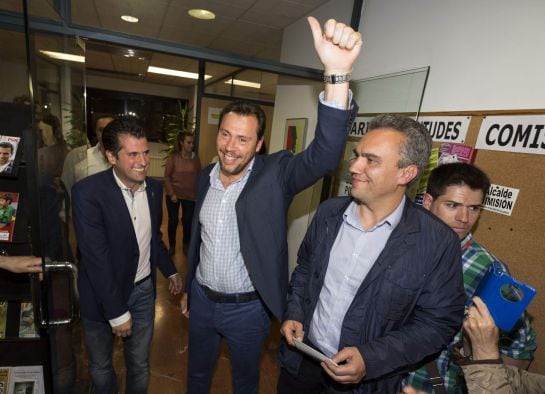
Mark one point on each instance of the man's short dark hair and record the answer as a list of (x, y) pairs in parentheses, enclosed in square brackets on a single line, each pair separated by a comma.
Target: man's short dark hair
[(459, 174), (417, 147), (5, 144), (122, 125), (6, 197), (102, 116), (246, 108)]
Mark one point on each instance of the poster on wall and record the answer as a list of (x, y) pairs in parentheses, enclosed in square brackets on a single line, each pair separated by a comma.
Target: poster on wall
[(446, 128), (214, 115), (500, 199), (522, 134), (296, 130), (8, 213), (360, 126), (8, 154)]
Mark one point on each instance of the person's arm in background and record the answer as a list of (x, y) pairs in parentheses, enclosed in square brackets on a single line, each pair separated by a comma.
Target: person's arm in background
[(21, 264), (486, 373), (169, 169), (163, 260)]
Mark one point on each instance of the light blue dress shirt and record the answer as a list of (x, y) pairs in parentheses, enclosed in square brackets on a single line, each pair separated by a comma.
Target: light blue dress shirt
[(351, 258)]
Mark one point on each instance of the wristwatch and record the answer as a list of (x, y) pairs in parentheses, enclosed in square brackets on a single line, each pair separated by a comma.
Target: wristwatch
[(337, 78)]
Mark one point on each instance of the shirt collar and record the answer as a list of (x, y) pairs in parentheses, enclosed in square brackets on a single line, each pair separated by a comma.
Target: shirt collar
[(122, 186), (215, 173), (468, 240), (350, 216)]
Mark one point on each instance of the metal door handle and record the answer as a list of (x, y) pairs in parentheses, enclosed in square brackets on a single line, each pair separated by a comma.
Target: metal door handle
[(57, 266)]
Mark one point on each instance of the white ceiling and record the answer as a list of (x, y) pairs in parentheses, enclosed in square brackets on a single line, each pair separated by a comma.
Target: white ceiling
[(249, 28)]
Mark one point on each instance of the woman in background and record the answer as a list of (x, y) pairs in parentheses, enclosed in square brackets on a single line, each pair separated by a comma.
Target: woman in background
[(181, 171)]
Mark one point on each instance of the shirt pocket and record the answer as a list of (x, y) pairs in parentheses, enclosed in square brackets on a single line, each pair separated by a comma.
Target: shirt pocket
[(396, 295)]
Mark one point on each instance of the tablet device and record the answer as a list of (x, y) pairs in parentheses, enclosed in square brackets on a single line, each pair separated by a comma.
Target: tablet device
[(309, 351)]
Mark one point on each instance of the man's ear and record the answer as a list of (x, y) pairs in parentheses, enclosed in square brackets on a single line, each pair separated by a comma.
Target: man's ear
[(112, 159), (427, 201), (258, 145), (407, 174)]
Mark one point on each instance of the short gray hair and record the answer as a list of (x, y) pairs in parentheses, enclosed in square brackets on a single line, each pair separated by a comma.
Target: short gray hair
[(417, 147)]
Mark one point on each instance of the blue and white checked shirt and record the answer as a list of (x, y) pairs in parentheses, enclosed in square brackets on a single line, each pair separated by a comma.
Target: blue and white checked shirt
[(222, 267)]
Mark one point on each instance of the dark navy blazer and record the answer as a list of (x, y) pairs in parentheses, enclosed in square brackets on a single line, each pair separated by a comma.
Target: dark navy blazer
[(263, 205), (408, 307), (108, 245)]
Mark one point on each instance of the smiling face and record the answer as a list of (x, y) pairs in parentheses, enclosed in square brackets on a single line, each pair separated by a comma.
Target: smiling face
[(237, 145), (376, 177), (132, 160), (459, 207)]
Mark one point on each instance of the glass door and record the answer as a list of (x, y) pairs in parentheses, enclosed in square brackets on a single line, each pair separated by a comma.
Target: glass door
[(57, 66)]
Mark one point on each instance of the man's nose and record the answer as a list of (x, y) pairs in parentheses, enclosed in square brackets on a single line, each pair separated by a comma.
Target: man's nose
[(230, 144), (462, 214), (356, 166)]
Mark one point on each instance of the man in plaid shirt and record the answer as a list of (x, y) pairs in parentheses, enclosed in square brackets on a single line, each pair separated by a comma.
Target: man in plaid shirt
[(455, 194)]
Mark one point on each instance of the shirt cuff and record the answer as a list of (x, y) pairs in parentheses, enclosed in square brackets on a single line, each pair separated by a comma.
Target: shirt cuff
[(336, 104), (125, 317)]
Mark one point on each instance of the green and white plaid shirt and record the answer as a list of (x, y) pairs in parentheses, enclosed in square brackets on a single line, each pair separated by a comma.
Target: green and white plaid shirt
[(519, 344)]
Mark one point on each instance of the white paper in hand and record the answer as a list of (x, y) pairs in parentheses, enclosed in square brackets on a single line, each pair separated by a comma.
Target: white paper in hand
[(315, 354)]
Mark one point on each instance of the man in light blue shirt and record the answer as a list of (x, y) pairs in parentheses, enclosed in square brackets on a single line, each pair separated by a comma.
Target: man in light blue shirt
[(377, 287), (237, 259)]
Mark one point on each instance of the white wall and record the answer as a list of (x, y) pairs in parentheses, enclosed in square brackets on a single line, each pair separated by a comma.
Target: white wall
[(295, 102), (301, 101), (486, 54)]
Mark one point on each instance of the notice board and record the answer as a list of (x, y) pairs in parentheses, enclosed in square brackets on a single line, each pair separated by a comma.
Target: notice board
[(517, 240)]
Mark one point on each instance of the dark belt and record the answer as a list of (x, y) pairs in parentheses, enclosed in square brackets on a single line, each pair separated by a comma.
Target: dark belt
[(226, 298), (139, 282)]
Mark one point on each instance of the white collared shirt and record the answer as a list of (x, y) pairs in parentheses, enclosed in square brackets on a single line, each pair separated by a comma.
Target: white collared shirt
[(137, 204)]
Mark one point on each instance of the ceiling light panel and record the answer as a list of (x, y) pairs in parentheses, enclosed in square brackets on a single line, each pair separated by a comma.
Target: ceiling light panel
[(175, 73), (63, 56), (129, 18), (203, 14)]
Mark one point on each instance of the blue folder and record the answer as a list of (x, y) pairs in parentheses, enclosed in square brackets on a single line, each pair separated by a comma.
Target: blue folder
[(505, 297)]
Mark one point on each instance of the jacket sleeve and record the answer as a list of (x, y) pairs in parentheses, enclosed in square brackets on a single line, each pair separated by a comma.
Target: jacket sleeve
[(501, 379), (90, 226), (428, 326), (163, 260), (323, 153)]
